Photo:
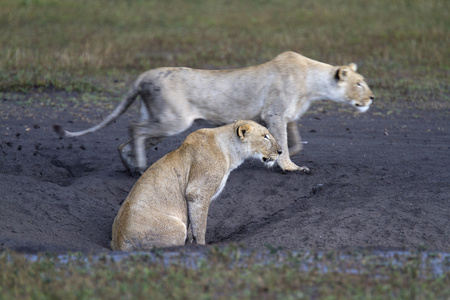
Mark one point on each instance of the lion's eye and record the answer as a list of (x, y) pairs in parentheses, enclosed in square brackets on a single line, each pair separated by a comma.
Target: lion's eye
[(266, 137), (359, 84)]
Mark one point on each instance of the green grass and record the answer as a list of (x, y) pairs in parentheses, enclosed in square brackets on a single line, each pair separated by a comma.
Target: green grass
[(221, 273), (401, 46)]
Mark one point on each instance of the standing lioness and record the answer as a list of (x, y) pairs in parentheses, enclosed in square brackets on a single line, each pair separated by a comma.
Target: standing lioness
[(169, 203), (277, 93)]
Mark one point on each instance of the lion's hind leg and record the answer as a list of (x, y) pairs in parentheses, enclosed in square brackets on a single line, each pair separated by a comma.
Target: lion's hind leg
[(126, 155), (126, 152), (162, 231), (154, 131)]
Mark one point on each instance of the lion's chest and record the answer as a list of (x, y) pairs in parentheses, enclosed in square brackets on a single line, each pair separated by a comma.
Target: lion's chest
[(221, 186)]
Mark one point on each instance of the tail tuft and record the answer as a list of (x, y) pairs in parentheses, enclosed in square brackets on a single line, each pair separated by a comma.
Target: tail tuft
[(59, 130)]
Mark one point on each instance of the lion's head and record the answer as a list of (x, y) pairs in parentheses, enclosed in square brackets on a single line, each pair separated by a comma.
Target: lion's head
[(258, 140), (355, 90)]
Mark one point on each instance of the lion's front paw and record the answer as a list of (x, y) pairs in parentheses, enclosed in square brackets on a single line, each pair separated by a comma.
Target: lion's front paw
[(304, 170), (291, 167)]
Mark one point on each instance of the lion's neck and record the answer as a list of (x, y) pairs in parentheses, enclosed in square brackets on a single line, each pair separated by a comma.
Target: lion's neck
[(321, 85), (232, 149)]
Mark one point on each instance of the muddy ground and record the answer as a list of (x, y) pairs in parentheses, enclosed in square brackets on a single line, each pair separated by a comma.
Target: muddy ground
[(378, 180)]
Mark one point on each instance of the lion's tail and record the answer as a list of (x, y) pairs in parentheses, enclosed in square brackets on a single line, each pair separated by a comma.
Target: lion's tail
[(117, 112)]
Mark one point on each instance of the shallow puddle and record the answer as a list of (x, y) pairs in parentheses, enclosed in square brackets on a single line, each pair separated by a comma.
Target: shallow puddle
[(432, 264)]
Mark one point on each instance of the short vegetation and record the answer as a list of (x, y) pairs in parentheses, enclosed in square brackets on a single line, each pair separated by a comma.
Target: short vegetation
[(90, 46)]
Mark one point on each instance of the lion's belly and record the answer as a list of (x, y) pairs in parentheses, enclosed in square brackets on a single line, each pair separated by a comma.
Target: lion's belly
[(222, 98), (223, 110), (226, 118)]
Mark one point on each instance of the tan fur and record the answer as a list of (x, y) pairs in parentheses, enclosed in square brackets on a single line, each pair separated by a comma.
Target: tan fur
[(277, 93), (169, 203)]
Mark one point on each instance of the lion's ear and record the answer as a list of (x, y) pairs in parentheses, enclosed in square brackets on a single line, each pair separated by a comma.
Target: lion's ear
[(353, 66), (342, 73), (243, 131)]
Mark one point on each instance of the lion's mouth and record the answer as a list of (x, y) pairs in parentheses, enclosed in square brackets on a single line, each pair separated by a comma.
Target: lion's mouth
[(269, 159), (362, 107)]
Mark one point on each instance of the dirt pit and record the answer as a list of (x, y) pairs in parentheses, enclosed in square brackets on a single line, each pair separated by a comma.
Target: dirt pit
[(378, 180)]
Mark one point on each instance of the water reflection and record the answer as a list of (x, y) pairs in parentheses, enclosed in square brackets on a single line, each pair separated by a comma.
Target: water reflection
[(349, 261)]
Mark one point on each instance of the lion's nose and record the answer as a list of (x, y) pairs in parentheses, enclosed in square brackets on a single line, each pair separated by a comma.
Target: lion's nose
[(279, 152), (371, 98)]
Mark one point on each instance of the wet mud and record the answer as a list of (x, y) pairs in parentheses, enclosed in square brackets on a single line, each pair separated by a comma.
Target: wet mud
[(377, 180)]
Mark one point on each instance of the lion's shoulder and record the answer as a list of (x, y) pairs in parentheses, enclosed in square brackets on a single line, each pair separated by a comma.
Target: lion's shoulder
[(291, 57), (200, 146)]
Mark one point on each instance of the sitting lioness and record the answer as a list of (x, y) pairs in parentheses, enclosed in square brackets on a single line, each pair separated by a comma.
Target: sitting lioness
[(277, 93), (169, 203)]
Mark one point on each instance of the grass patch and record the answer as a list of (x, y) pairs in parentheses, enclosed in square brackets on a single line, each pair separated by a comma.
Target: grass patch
[(400, 46), (222, 273)]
